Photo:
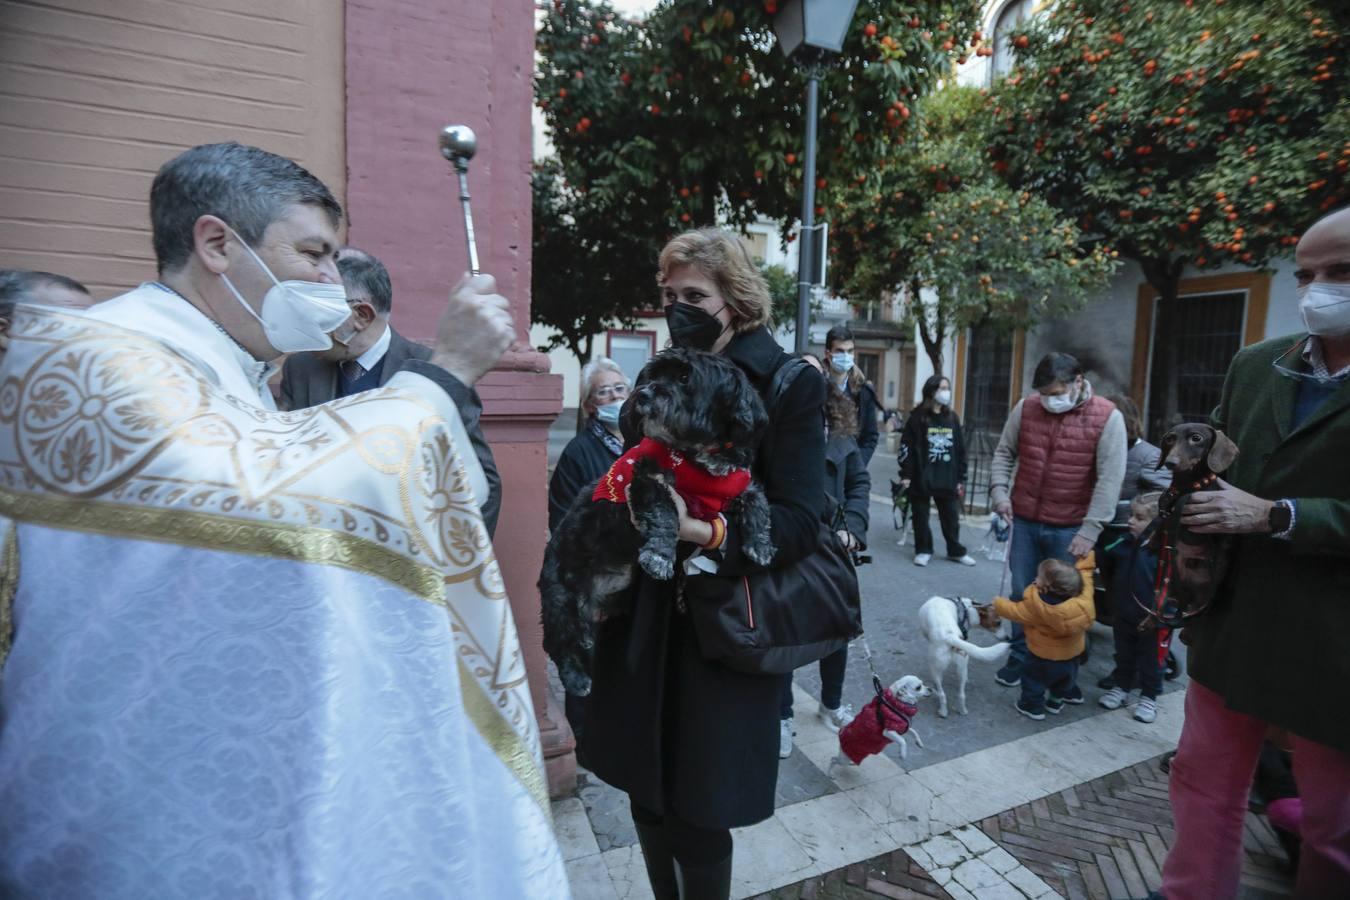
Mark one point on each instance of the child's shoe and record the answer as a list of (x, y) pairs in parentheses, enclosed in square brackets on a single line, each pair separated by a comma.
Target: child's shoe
[(1073, 697), (1036, 714), (1113, 699), (1145, 710), (1054, 705)]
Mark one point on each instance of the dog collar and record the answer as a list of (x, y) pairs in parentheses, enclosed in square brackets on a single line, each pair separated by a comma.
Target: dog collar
[(962, 618)]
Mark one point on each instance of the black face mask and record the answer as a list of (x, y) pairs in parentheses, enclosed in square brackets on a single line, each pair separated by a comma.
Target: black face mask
[(691, 328)]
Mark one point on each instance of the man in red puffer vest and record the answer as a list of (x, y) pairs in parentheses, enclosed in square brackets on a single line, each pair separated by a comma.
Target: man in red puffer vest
[(1069, 448)]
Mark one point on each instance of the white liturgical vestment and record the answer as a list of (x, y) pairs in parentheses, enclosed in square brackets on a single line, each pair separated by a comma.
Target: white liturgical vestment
[(246, 653)]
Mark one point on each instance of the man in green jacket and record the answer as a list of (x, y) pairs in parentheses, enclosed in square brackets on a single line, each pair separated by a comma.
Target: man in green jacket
[(1274, 649)]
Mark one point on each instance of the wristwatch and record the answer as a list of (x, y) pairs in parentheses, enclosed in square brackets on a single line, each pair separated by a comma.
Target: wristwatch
[(1281, 518)]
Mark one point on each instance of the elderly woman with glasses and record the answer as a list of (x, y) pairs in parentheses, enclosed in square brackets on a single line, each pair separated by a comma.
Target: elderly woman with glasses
[(586, 457), (598, 443)]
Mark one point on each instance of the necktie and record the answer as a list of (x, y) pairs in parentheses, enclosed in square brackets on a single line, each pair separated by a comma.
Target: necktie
[(352, 370)]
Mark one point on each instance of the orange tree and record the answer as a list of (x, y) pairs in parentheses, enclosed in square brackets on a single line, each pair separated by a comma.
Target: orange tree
[(962, 247), (1183, 132), (693, 116)]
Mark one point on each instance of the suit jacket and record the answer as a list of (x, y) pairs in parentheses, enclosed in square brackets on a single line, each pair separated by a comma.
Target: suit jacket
[(309, 380), (1278, 632)]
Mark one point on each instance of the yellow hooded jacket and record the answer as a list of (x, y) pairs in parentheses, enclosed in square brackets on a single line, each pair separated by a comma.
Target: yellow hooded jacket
[(1054, 630)]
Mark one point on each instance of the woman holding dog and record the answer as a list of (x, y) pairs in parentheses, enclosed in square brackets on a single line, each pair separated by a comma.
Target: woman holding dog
[(693, 742), (933, 468)]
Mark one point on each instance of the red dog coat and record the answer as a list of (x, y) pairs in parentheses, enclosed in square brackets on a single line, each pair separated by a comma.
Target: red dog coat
[(705, 495), (863, 736)]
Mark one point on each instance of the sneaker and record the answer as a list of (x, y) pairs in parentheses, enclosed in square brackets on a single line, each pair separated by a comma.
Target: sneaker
[(921, 559), (835, 719), (1007, 679), (1145, 710), (1131, 700), (1113, 699), (1054, 705), (966, 560), (1073, 699), (1029, 713), (785, 739)]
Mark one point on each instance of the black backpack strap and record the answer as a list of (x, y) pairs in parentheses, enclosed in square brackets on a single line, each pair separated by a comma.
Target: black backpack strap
[(782, 380)]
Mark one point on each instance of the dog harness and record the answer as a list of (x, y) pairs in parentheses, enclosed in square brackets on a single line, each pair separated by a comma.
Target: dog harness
[(865, 735), (962, 617), (1165, 612), (705, 494)]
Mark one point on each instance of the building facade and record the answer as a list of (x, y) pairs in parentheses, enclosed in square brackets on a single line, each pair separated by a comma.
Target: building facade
[(95, 97)]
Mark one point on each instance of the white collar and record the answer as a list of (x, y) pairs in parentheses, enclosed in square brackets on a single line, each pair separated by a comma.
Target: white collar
[(371, 358), (163, 314)]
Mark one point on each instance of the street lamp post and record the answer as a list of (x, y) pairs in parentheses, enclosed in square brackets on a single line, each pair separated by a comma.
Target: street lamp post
[(811, 32)]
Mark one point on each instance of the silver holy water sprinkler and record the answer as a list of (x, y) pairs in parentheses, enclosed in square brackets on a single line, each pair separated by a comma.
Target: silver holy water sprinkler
[(458, 144)]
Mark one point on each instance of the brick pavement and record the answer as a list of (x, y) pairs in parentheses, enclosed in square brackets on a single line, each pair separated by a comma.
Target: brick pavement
[(1101, 840), (893, 875), (1107, 838)]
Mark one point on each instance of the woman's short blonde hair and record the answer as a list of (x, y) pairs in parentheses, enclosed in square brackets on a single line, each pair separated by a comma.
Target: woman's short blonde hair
[(721, 256)]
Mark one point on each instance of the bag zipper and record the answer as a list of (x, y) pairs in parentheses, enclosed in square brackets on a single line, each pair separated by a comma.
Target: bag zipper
[(749, 609)]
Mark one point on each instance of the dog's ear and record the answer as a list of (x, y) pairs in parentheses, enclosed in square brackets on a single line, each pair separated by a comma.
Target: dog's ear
[(1222, 453)]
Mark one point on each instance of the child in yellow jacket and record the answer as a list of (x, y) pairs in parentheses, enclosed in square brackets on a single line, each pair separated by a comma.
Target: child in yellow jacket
[(1056, 611)]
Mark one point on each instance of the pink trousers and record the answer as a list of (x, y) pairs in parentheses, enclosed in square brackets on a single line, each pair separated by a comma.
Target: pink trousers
[(1211, 776)]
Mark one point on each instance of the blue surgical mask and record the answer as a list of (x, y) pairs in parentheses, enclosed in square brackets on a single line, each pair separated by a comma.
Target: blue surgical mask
[(841, 362), (609, 413)]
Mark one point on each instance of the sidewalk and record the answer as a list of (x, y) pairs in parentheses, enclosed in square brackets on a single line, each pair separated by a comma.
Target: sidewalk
[(1077, 810)]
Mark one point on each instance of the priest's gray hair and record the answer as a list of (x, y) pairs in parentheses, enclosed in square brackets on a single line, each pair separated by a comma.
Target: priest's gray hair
[(247, 187), (593, 368)]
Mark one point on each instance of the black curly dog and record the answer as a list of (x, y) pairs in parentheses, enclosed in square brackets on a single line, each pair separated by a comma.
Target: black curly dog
[(699, 405)]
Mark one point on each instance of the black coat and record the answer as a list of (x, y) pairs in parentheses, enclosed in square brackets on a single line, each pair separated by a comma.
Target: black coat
[(864, 396), (1133, 571), (848, 484), (932, 476), (583, 461), (683, 735)]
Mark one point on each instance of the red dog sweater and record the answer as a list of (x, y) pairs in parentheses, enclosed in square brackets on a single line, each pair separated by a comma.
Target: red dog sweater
[(705, 495), (863, 736)]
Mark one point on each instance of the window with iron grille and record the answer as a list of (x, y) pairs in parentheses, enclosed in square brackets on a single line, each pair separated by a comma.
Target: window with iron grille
[(1207, 329), (988, 397)]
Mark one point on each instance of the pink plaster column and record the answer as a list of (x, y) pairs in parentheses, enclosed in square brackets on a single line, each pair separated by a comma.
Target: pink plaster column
[(413, 66)]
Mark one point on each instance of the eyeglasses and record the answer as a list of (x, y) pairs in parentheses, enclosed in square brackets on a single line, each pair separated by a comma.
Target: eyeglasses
[(611, 391)]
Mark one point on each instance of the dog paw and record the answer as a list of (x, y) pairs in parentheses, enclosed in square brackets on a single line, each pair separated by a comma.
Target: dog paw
[(578, 683), (656, 565), (942, 712), (761, 553)]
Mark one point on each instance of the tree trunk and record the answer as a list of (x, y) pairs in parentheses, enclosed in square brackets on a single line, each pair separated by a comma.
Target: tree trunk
[(583, 357), (932, 342)]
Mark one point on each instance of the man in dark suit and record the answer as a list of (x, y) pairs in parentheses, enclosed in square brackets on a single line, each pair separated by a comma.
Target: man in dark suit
[(366, 353)]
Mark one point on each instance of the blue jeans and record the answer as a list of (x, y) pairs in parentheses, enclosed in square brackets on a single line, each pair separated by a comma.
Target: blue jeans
[(1060, 676), (1032, 543)]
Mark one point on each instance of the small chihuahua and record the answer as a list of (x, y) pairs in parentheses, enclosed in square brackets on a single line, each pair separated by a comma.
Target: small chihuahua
[(883, 721)]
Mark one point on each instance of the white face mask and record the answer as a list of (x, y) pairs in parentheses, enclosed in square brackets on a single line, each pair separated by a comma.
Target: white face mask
[(1058, 403), (944, 398), (1325, 308), (296, 315), (842, 363)]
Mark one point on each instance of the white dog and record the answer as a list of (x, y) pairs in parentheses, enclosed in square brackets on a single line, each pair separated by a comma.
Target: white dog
[(946, 623), (869, 732)]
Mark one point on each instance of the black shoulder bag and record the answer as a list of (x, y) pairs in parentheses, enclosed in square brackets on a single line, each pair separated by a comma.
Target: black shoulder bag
[(780, 619)]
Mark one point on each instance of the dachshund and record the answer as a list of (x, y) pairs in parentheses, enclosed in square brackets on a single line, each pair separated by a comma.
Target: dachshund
[(1191, 565)]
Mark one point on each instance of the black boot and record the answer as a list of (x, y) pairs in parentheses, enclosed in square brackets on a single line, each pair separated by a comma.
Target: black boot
[(660, 864), (710, 882)]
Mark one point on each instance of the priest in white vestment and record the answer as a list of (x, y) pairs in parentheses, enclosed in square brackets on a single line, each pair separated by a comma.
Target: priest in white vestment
[(246, 653)]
